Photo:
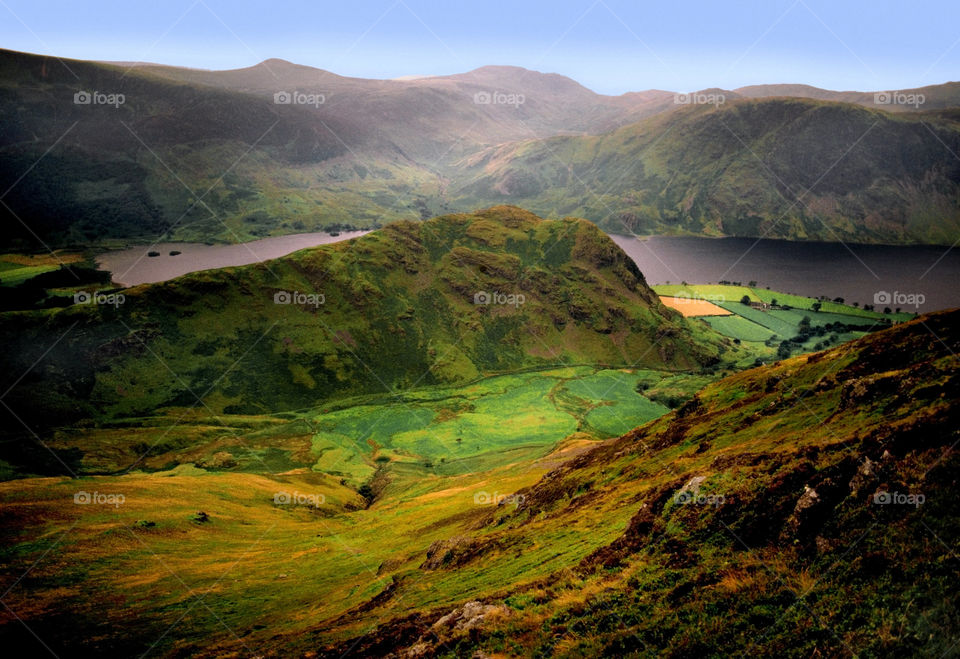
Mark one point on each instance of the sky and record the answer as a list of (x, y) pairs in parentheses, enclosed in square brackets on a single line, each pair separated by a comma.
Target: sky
[(611, 46)]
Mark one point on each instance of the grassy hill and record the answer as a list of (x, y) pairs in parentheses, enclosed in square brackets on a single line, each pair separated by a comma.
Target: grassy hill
[(388, 311), (785, 168), (776, 510), (801, 508)]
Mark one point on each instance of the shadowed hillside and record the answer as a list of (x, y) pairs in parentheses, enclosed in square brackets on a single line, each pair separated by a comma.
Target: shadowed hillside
[(212, 156)]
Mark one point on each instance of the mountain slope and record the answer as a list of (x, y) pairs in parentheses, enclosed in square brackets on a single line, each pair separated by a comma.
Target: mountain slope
[(931, 97), (180, 159), (387, 311), (787, 168), (804, 508), (209, 156)]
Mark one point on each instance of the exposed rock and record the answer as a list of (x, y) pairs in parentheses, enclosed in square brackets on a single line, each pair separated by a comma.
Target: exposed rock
[(454, 552), (864, 476), (469, 616)]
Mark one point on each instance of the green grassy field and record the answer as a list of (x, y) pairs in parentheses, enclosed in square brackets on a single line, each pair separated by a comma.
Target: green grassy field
[(431, 458), (739, 327), (760, 330), (712, 292)]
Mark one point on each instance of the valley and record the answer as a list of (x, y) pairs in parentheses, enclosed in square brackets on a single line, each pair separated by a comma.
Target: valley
[(417, 356), (359, 473)]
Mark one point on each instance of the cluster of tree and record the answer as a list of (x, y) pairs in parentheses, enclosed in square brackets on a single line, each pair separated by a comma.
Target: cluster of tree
[(806, 331)]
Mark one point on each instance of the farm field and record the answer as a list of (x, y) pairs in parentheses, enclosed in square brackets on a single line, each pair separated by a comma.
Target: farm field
[(762, 329), (18, 268), (693, 308)]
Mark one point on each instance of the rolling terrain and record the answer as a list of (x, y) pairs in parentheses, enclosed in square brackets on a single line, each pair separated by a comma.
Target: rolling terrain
[(798, 508), (389, 311)]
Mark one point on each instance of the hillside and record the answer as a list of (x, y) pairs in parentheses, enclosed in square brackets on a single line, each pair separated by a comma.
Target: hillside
[(390, 310), (209, 155), (802, 508), (779, 168), (182, 159), (805, 508), (200, 155), (931, 97)]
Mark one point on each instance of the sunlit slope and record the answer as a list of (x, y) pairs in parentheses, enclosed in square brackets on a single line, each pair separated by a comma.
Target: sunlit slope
[(391, 310), (806, 507)]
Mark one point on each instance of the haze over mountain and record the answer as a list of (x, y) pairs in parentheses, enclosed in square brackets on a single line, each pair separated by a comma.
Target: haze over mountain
[(780, 167), (356, 152)]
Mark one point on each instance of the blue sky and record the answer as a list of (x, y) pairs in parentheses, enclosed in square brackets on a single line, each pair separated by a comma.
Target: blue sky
[(611, 46)]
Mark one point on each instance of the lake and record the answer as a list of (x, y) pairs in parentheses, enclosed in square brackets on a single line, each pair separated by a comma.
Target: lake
[(856, 272), (132, 266)]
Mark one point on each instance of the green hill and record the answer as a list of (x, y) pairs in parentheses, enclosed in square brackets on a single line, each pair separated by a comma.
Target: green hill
[(391, 310), (802, 508)]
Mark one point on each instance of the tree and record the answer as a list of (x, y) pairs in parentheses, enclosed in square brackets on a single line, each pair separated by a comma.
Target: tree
[(816, 306), (745, 300)]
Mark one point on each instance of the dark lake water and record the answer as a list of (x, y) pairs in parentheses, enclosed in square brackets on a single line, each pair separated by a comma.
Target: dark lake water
[(856, 273), (132, 266)]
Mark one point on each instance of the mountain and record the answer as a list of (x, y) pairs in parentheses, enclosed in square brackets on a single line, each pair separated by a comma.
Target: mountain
[(195, 155), (210, 155), (931, 97), (393, 309), (787, 168), (81, 173), (803, 508)]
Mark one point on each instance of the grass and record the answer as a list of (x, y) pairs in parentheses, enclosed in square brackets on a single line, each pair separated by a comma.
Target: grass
[(739, 327), (712, 292), (301, 571), (760, 330), (18, 268), (618, 404)]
